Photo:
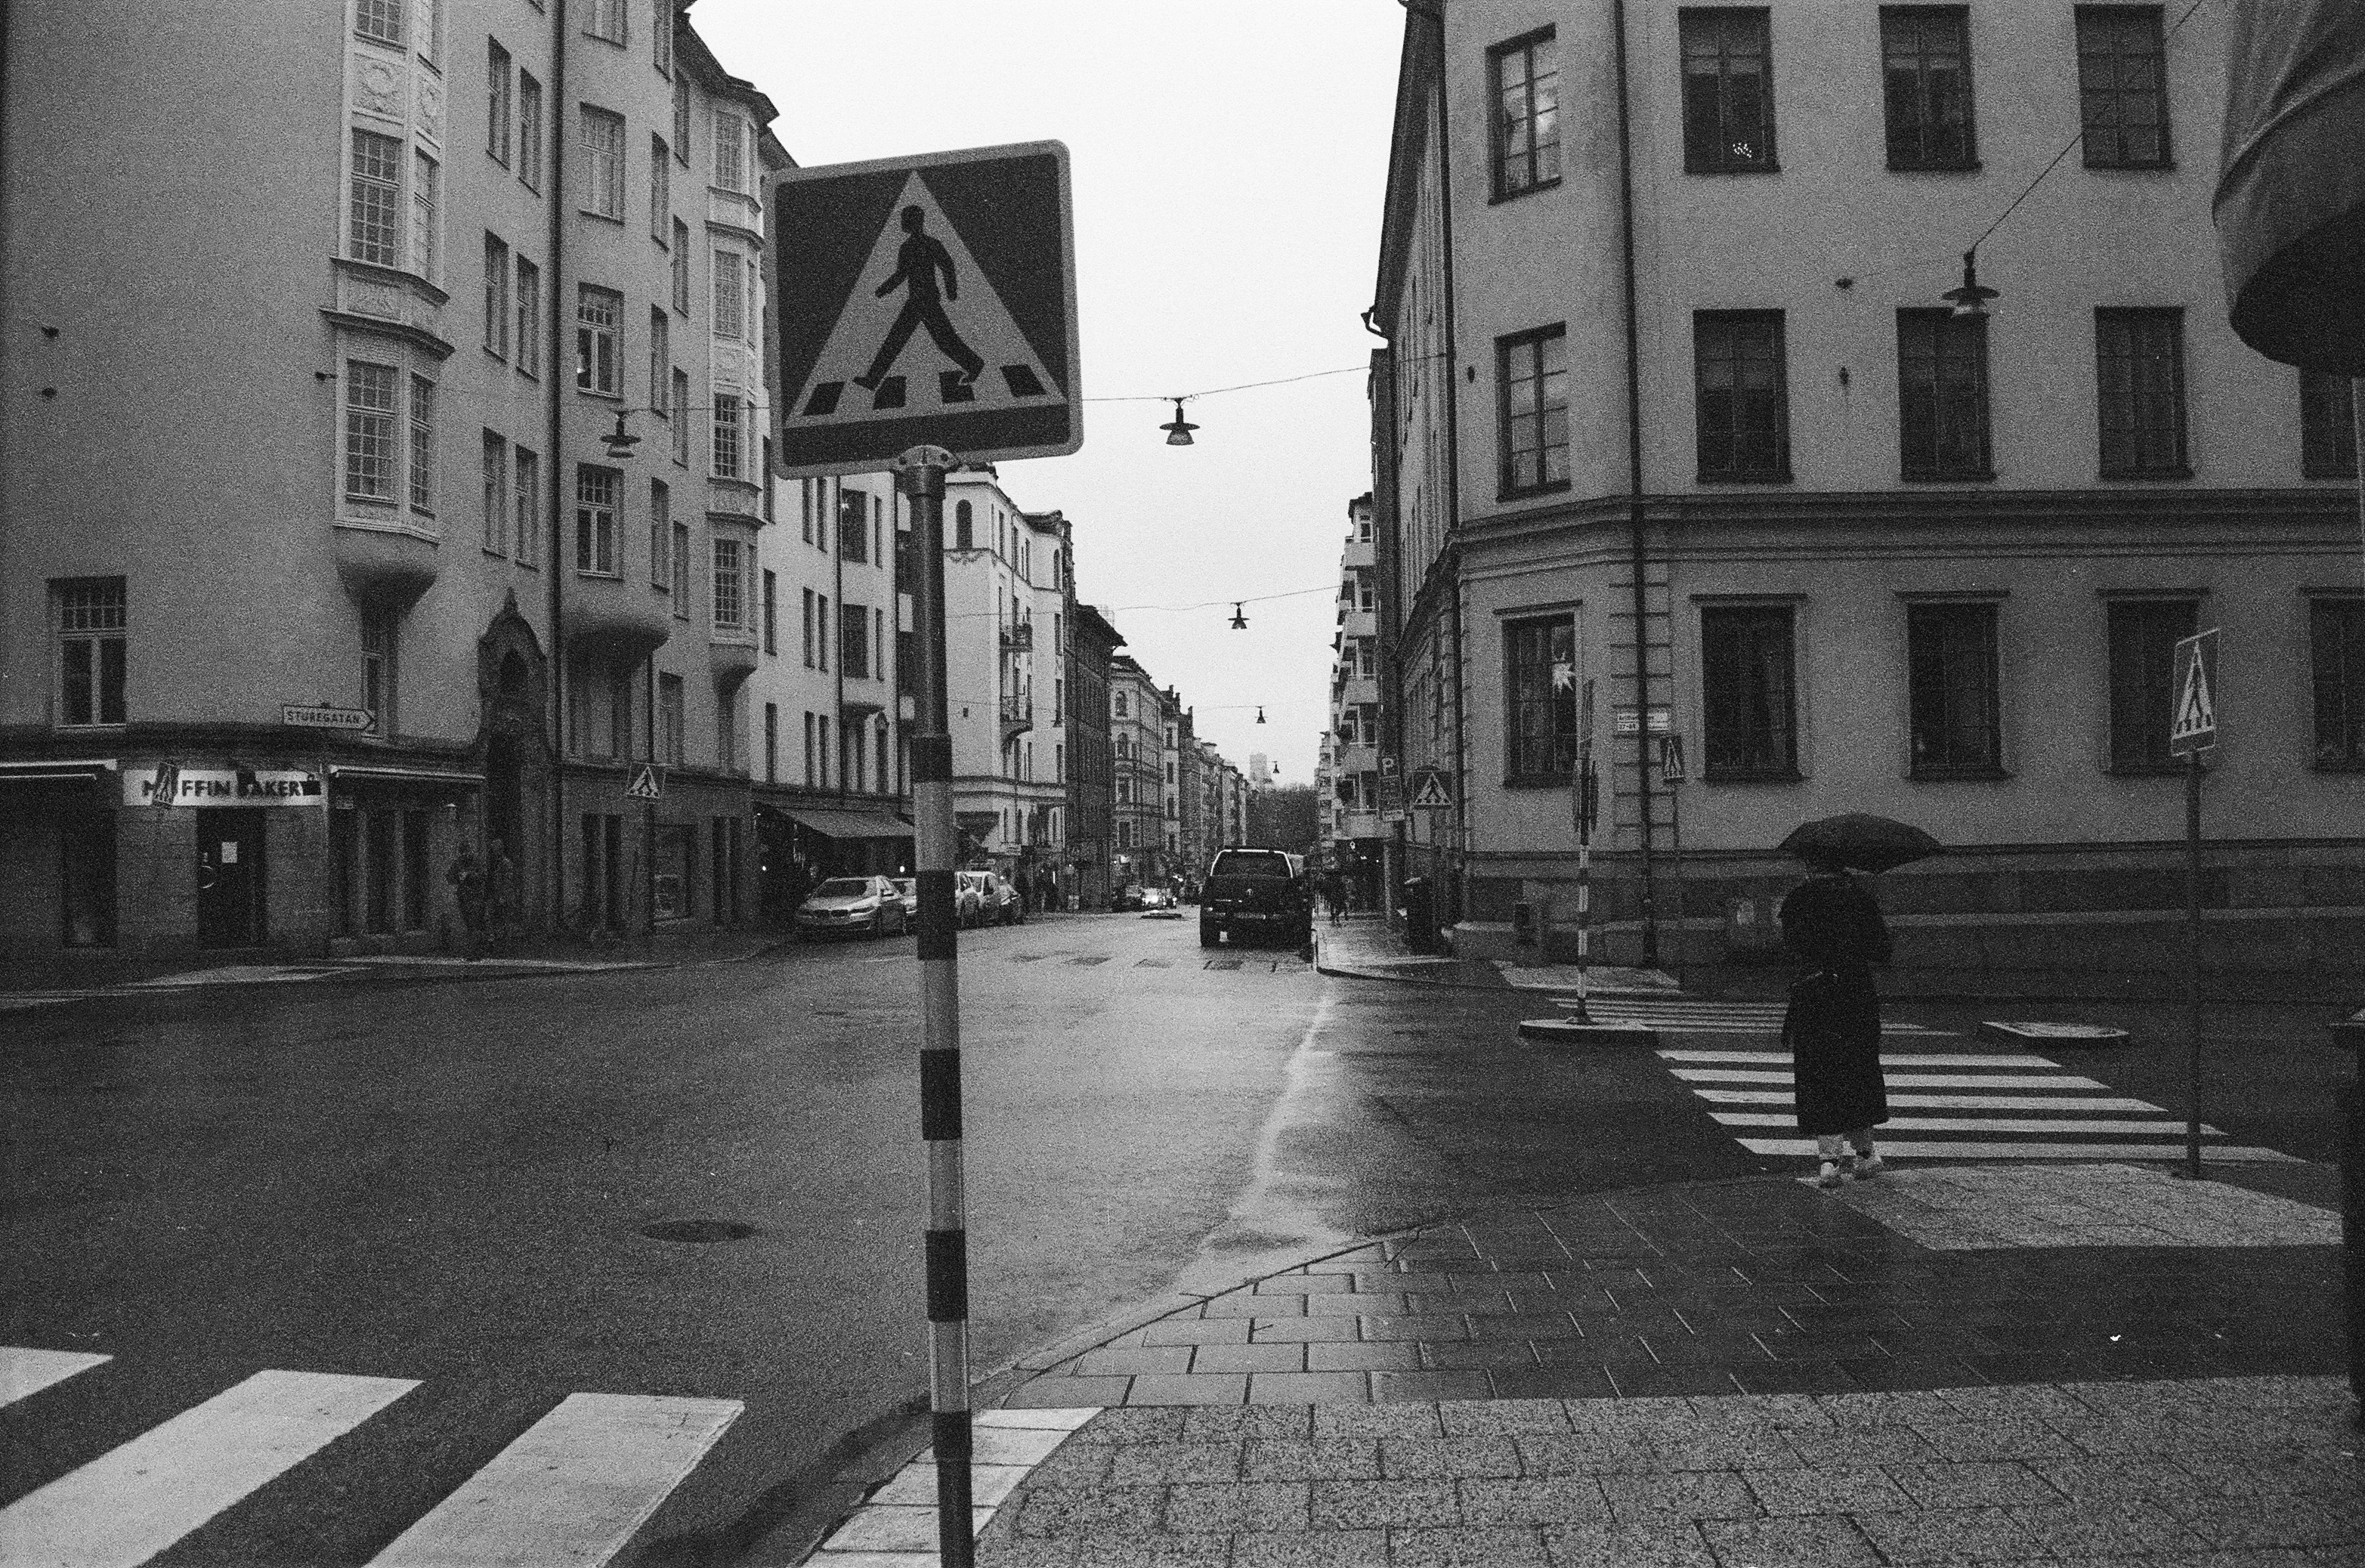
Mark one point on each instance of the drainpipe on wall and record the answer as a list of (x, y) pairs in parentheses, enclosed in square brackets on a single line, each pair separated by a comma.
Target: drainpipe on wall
[(1637, 545), (554, 559), (837, 580)]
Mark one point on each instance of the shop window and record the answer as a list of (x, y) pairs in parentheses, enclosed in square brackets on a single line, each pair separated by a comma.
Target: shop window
[(415, 871)]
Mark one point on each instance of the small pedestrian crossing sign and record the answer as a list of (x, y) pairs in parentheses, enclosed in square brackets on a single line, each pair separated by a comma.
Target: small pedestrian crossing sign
[(646, 783), (1430, 791), (2192, 720), (927, 301)]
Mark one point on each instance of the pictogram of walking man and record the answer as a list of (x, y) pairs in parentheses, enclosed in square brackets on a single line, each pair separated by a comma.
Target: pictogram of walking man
[(917, 260)]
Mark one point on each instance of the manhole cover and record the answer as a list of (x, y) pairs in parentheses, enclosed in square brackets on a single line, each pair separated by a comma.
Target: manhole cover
[(698, 1230), (1153, 963), (1223, 963), (1090, 958)]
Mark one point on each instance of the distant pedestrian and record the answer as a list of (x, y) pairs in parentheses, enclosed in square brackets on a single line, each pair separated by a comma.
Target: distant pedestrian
[(501, 895), (1832, 1026), (1334, 896), (467, 879)]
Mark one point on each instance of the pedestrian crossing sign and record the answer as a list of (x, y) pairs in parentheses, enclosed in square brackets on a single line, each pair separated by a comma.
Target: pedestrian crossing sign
[(925, 301), (1430, 791), (2192, 722), (645, 784)]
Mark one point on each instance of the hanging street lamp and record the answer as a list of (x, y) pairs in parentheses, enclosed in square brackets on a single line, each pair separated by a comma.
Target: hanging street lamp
[(1178, 431)]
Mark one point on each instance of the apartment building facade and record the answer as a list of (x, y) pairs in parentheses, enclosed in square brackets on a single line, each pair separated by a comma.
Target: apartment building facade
[(1136, 775), (1853, 538), (1355, 838), (478, 484), (1093, 643)]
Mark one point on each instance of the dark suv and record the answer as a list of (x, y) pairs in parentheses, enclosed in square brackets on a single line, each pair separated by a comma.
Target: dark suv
[(1255, 892)]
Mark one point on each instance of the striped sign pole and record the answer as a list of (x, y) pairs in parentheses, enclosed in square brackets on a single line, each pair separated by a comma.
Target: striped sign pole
[(1583, 805), (920, 475)]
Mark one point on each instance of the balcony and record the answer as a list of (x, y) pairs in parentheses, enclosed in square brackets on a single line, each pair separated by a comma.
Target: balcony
[(731, 655), (1018, 637), (1017, 716), (385, 566), (622, 621)]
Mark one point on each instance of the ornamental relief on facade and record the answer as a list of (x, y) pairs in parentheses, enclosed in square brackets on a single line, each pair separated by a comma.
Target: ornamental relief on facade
[(431, 110), (377, 86)]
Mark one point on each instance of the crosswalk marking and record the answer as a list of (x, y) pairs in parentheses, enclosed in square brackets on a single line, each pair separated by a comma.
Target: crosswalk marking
[(1973, 1120), (1691, 1016), (24, 1371), (572, 1489), (131, 1502)]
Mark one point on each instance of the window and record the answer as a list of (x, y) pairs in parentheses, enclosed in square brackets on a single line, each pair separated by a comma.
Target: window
[(604, 19), (2139, 371), (381, 645), (1925, 56), (679, 404), (820, 628), (2143, 635), (497, 102), (426, 22), (660, 362), (771, 743), (2122, 86), (1728, 90), (661, 35), (525, 472), (1741, 404), (1525, 82), (809, 628), (369, 429), (811, 778), (730, 150), (660, 190), (730, 610), (964, 526), (423, 446), (529, 164), (854, 634), (604, 164), (1951, 691), (853, 525), (729, 438), (496, 298), (726, 745), (730, 302), (1533, 412), (681, 266), (771, 612), (669, 721), (497, 495), (380, 21), (91, 619), (598, 313), (595, 518), (529, 317), (426, 231), (1942, 395), (1540, 659), (1746, 678), (660, 535), (2337, 640), (681, 119), (2327, 428), (374, 231), (680, 565), (1120, 713)]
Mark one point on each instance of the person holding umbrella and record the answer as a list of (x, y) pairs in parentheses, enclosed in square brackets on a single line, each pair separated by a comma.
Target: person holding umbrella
[(1832, 1025)]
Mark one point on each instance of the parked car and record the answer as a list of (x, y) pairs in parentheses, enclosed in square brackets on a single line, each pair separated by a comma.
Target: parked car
[(910, 888), (1155, 897), (869, 905), (1255, 893), (1003, 906), (1126, 897), (969, 898)]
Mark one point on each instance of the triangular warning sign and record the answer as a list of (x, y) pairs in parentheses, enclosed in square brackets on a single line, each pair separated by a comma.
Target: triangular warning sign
[(644, 784), (2196, 710), (1429, 789), (923, 333)]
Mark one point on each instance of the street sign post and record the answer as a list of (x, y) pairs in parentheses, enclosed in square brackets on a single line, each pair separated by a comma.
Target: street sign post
[(1585, 809), (1671, 775), (2191, 730), (927, 301), (973, 253)]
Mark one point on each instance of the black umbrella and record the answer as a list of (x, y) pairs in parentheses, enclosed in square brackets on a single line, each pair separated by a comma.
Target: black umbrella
[(1861, 840)]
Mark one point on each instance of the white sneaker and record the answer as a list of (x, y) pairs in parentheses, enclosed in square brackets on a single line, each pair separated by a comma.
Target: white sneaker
[(1828, 1176)]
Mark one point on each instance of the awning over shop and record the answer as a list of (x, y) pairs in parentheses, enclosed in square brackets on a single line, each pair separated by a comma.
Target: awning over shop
[(848, 824), (75, 770), (445, 778)]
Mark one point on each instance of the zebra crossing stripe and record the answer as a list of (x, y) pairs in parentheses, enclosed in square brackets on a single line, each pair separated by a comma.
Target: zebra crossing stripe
[(24, 1371), (573, 1489), (1945, 1102), (1720, 1017), (132, 1502), (1901, 1079), (2163, 1127), (1948, 1149), (1887, 1058)]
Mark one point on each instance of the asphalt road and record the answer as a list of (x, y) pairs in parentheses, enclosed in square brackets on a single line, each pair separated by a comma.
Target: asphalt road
[(456, 1184)]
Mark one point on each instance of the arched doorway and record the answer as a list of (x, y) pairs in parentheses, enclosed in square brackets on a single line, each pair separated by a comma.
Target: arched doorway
[(510, 680)]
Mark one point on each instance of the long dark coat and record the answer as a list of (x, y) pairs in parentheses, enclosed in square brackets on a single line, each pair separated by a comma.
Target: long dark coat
[(1832, 1026)]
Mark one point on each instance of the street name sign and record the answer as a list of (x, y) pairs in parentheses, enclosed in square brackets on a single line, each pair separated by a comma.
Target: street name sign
[(646, 783), (313, 716), (2192, 722), (928, 301)]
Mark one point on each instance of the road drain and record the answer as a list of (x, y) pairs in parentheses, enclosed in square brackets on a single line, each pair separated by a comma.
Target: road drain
[(698, 1230)]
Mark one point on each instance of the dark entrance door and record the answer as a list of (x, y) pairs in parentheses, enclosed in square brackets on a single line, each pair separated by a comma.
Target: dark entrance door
[(230, 879)]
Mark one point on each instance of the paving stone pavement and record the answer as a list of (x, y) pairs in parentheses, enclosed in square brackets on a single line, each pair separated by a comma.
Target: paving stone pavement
[(1742, 1374)]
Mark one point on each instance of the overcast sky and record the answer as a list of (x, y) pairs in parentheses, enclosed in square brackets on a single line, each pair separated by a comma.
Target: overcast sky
[(1229, 159)]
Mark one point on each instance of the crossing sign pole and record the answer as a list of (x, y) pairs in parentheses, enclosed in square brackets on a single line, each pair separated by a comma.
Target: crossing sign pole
[(2191, 730), (973, 251)]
